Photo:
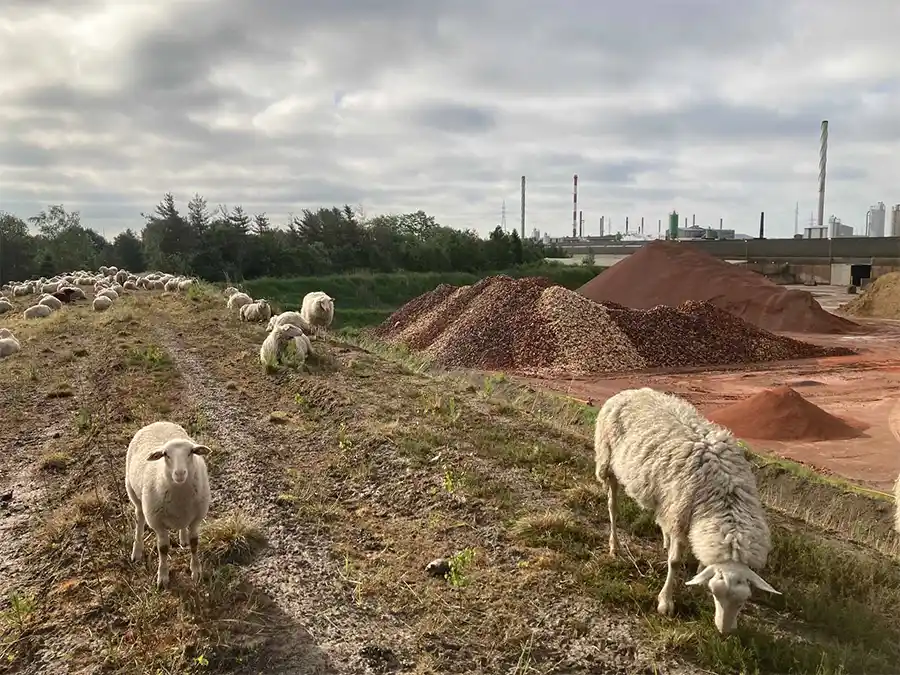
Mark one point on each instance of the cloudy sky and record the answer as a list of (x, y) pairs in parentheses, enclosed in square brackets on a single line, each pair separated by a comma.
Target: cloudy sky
[(704, 106)]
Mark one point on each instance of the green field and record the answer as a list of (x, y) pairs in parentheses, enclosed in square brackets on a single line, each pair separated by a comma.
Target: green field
[(367, 299)]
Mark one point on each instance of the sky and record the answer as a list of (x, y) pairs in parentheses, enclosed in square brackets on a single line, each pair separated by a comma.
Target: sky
[(709, 108)]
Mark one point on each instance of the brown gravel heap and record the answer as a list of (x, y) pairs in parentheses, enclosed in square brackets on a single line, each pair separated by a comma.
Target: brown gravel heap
[(536, 327), (670, 273)]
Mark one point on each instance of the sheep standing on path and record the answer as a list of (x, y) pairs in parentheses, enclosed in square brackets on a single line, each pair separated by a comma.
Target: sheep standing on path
[(167, 482), (317, 310), (694, 476)]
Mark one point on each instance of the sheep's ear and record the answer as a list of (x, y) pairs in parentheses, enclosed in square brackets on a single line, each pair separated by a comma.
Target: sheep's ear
[(702, 577), (199, 450), (156, 454), (760, 583)]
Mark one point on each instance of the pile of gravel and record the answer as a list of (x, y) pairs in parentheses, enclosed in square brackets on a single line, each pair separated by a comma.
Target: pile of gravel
[(534, 326)]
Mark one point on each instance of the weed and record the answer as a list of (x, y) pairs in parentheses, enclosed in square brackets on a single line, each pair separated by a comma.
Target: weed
[(459, 566)]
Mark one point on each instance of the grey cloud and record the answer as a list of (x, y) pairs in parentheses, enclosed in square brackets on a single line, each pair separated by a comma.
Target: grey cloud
[(455, 117)]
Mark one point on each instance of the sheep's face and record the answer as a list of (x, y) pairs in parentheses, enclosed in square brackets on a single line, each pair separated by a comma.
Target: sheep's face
[(326, 303), (178, 455), (730, 584), (286, 331)]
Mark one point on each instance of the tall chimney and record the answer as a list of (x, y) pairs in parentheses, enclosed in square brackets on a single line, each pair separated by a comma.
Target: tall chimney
[(642, 224), (720, 223), (523, 208), (693, 219), (581, 223), (762, 224), (626, 224), (823, 159), (574, 205)]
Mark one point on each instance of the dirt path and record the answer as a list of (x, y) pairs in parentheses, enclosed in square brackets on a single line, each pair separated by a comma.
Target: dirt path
[(327, 633)]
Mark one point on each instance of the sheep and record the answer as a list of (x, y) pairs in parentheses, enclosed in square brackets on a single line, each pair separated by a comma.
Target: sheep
[(101, 303), (290, 317), (67, 294), (231, 290), (51, 302), (272, 348), (238, 300), (256, 311), (172, 494), (5, 306), (8, 343), (897, 508), (303, 347), (317, 310), (694, 476), (37, 312), (109, 293)]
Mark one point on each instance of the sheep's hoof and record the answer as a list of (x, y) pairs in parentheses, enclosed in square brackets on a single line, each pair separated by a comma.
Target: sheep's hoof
[(136, 555), (196, 575), (162, 582), (665, 606)]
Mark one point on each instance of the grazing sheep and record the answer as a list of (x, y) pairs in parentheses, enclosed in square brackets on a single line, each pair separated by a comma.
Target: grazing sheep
[(8, 343), (67, 294), (303, 346), (290, 317), (51, 302), (231, 290), (238, 300), (101, 303), (109, 293), (317, 310), (37, 312), (172, 494), (695, 478), (272, 348), (258, 311), (5, 306), (130, 286)]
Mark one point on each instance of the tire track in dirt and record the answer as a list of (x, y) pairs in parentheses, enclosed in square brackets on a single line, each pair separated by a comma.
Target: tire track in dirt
[(296, 570)]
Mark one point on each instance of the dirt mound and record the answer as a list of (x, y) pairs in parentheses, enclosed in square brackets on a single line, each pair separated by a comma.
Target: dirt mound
[(669, 273), (782, 414), (880, 299), (534, 326)]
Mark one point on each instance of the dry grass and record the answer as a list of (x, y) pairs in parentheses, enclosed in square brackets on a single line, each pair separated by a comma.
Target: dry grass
[(393, 465)]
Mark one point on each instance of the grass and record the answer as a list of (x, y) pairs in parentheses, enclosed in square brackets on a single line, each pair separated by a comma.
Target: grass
[(367, 299), (381, 464)]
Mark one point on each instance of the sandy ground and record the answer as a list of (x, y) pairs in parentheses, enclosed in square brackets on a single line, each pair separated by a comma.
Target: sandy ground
[(863, 388)]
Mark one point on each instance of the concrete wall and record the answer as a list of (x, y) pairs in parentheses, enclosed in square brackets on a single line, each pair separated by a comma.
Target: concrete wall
[(840, 274)]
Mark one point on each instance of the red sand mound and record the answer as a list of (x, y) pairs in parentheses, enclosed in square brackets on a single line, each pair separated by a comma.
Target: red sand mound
[(534, 326), (670, 273), (782, 414)]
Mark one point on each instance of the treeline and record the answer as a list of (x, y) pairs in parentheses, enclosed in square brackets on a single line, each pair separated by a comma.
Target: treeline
[(228, 243)]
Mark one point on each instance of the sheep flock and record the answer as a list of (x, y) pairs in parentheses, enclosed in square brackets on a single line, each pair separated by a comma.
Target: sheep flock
[(688, 472)]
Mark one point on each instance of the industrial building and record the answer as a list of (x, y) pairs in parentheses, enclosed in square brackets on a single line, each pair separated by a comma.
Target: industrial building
[(696, 232), (875, 220), (895, 221), (815, 232), (838, 229)]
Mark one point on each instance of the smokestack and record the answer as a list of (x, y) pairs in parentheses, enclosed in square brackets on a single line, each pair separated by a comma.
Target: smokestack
[(523, 207), (823, 159), (762, 224), (574, 204), (642, 224), (581, 223), (626, 224), (720, 223), (693, 219), (659, 227)]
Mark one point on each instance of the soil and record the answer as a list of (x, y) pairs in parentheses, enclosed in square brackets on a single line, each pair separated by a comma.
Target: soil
[(534, 326), (781, 414), (880, 299), (681, 273)]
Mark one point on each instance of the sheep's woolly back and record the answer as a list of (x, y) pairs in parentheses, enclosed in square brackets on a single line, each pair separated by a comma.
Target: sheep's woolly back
[(690, 472), (101, 302), (897, 505), (8, 343), (290, 317), (37, 312)]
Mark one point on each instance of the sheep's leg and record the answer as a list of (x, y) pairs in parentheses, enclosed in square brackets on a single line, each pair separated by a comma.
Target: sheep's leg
[(666, 604), (183, 536), (193, 532), (612, 503), (162, 545), (137, 549), (665, 535)]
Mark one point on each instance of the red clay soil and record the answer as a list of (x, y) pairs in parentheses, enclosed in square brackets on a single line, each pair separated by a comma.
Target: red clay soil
[(782, 414), (670, 273)]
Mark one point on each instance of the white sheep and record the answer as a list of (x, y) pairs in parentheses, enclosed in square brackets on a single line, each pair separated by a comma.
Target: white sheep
[(290, 317), (51, 302), (37, 312), (5, 306), (317, 310), (238, 300), (109, 293), (231, 290), (172, 494), (258, 311), (8, 343), (101, 303), (303, 346), (272, 348), (897, 507), (696, 479)]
